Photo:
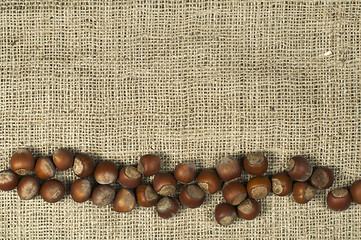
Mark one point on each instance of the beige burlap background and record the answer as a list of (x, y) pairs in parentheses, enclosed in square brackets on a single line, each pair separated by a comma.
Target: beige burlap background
[(191, 81)]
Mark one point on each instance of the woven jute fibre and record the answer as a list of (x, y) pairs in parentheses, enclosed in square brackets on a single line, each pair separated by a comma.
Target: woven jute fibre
[(190, 81)]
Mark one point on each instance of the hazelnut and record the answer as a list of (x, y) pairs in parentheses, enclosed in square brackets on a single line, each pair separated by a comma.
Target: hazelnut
[(303, 192), (103, 195), (146, 196), (106, 172), (44, 168), (255, 163), (63, 159), (129, 177), (167, 207), (185, 172), (249, 209), (165, 184), (259, 187), (84, 165), (149, 165), (225, 214), (52, 190), (355, 191), (281, 184), (229, 168), (28, 187), (234, 192), (338, 199), (191, 196), (322, 178), (8, 180), (209, 181), (299, 169), (81, 190), (22, 162), (124, 201)]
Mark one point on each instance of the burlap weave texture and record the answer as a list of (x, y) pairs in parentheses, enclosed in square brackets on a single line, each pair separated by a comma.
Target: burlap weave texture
[(191, 81)]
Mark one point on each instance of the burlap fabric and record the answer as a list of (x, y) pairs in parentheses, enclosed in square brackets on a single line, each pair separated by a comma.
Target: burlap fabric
[(191, 81)]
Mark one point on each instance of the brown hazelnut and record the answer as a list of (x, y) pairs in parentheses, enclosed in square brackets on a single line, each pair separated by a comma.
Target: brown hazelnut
[(322, 178), (299, 169), (124, 201), (229, 168), (209, 181), (81, 190), (28, 187), (8, 180), (234, 192), (259, 187), (146, 196), (191, 196), (84, 165), (106, 172), (225, 214), (281, 184), (185, 172), (22, 162), (129, 177), (44, 168), (355, 191), (165, 184), (103, 195), (52, 190), (63, 159), (149, 165), (255, 163), (167, 207), (249, 209), (338, 199), (303, 192)]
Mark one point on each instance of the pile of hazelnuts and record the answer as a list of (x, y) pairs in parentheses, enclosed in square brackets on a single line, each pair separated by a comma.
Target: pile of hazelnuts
[(241, 199)]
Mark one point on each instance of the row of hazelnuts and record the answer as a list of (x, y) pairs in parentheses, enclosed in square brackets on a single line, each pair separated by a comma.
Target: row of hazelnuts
[(299, 178)]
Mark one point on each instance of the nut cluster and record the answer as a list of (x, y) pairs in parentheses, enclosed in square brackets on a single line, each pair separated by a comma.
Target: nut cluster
[(241, 198)]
